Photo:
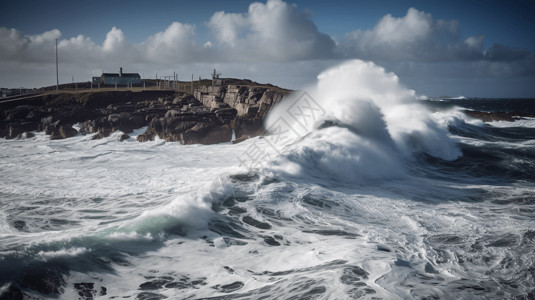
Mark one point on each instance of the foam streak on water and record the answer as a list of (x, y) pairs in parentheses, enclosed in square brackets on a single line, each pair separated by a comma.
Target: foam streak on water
[(374, 200)]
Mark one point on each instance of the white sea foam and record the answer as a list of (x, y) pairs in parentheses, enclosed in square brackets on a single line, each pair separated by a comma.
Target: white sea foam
[(381, 125), (108, 185), (130, 236), (65, 252), (371, 100)]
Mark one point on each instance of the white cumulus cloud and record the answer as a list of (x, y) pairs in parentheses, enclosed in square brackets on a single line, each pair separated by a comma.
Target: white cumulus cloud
[(417, 36), (14, 46), (115, 41), (273, 31), (174, 44)]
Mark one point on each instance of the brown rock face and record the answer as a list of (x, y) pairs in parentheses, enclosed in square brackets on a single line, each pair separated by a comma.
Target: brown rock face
[(251, 104), (63, 132), (248, 101)]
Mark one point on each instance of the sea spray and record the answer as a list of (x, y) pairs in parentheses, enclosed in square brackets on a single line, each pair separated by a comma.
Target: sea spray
[(371, 125)]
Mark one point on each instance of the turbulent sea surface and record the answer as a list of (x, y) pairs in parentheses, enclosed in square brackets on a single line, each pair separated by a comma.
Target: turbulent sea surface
[(375, 195)]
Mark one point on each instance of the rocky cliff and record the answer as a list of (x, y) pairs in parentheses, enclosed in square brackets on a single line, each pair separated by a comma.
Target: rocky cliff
[(251, 103), (207, 117)]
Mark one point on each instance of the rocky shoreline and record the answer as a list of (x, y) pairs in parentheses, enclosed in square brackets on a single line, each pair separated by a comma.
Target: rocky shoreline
[(209, 116)]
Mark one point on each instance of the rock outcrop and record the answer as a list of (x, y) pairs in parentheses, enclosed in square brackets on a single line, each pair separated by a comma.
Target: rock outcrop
[(99, 113), (62, 132), (207, 117), (251, 103), (206, 133), (191, 123)]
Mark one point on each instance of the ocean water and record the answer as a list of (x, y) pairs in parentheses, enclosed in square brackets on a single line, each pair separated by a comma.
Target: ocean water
[(360, 191)]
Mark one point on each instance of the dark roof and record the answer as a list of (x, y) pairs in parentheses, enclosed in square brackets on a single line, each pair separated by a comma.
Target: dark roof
[(117, 75), (131, 75)]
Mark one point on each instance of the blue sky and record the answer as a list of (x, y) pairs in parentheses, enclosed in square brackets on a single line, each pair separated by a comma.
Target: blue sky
[(470, 48)]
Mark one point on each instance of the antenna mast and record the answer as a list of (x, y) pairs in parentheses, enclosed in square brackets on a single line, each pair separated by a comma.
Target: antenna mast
[(57, 74)]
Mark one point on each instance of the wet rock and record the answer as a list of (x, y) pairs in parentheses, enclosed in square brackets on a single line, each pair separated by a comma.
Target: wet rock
[(207, 134), (124, 137), (105, 125), (17, 129), (73, 115), (62, 132), (102, 133), (90, 126), (170, 128), (146, 137), (45, 123), (124, 122), (85, 290), (249, 127), (49, 128)]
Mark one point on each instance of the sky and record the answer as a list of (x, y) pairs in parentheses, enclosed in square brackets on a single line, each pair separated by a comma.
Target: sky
[(437, 48)]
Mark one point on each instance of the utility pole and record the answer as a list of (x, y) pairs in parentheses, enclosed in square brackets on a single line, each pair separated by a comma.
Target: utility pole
[(192, 83), (57, 74)]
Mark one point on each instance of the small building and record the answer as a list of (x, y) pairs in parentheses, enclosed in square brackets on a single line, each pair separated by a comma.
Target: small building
[(216, 81), (118, 78)]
